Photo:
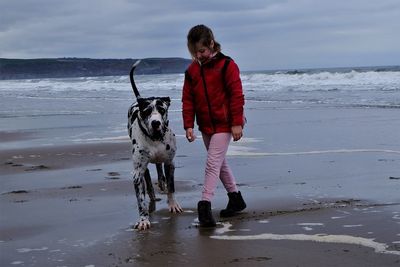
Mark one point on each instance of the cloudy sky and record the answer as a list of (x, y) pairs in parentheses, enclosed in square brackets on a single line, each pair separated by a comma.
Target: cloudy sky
[(258, 34)]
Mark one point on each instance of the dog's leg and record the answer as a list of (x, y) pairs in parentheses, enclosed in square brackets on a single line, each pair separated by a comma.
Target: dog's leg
[(150, 191), (162, 184), (173, 205), (140, 190)]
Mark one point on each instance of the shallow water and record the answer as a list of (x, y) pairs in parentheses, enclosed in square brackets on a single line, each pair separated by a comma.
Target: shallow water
[(89, 109)]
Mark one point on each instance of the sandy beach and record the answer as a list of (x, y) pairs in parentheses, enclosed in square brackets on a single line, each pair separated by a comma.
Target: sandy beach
[(322, 186)]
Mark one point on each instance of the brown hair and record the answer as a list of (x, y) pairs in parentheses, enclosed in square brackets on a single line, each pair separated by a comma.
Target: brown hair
[(203, 34)]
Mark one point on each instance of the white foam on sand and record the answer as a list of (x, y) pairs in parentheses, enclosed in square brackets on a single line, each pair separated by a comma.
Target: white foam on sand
[(188, 211), (226, 227), (337, 217), (336, 239), (121, 138), (310, 224), (306, 226), (25, 250), (248, 140), (352, 225), (236, 150), (396, 217)]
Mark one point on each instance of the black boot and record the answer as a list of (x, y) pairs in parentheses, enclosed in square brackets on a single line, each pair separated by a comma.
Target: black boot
[(205, 216), (235, 204)]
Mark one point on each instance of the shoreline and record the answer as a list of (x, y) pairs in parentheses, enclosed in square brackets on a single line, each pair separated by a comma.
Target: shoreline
[(305, 177)]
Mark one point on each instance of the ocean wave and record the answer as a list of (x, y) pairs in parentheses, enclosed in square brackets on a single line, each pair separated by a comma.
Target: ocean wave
[(253, 81), (322, 81), (363, 88)]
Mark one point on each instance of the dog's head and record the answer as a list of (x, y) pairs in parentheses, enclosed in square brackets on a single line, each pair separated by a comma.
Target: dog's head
[(153, 112)]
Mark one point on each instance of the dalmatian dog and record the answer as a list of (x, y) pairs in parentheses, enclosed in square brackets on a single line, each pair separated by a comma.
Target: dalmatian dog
[(153, 142)]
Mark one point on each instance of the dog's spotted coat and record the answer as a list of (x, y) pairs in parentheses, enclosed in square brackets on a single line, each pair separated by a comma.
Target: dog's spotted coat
[(153, 142)]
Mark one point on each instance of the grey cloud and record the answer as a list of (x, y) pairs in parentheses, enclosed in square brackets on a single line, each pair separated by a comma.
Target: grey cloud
[(259, 34)]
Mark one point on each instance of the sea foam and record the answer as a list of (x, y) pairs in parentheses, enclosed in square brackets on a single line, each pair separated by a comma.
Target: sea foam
[(335, 239)]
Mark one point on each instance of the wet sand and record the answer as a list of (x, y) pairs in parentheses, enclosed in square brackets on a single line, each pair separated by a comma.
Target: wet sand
[(337, 205)]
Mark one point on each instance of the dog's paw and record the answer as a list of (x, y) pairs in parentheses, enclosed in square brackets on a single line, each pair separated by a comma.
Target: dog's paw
[(143, 224), (174, 206)]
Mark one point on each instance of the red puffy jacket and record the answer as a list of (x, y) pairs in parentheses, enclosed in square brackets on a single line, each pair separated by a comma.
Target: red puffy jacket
[(215, 101)]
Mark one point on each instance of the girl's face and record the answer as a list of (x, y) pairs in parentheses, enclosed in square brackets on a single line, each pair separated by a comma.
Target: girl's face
[(203, 53)]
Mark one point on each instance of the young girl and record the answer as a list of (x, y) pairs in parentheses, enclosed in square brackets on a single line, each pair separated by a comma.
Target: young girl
[(212, 93)]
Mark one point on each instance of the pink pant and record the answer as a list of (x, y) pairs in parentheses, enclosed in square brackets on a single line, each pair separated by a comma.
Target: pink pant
[(217, 165)]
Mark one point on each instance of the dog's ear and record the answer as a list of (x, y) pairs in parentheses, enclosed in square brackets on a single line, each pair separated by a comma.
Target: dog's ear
[(167, 100)]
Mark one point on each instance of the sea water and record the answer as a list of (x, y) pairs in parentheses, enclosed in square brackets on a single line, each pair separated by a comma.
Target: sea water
[(94, 109)]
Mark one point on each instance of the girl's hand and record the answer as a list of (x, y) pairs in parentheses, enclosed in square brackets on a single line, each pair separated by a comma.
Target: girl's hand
[(237, 132), (190, 136)]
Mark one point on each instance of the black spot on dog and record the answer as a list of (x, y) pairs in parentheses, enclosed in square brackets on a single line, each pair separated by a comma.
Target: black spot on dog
[(168, 147), (133, 141)]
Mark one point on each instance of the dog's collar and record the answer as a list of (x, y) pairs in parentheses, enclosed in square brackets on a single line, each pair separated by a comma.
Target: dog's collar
[(144, 131)]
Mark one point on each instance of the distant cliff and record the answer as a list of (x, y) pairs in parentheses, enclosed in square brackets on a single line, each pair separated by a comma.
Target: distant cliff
[(84, 67)]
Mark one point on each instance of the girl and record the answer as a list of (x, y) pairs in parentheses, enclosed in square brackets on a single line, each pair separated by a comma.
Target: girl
[(212, 93)]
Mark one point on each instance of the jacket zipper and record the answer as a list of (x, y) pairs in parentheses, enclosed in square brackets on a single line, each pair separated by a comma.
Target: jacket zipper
[(206, 94)]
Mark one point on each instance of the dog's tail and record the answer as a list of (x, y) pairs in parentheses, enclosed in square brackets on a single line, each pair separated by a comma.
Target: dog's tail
[(135, 90)]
